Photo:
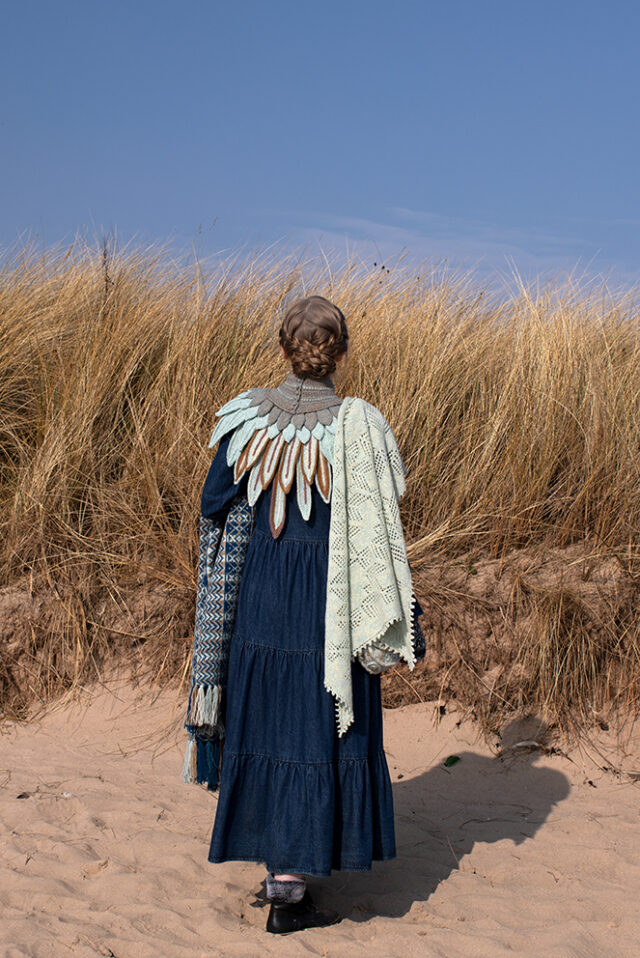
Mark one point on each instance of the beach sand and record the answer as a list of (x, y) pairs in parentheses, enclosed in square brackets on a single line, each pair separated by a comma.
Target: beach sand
[(104, 848)]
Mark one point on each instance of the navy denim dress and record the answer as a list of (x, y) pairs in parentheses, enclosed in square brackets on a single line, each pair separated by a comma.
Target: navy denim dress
[(293, 795)]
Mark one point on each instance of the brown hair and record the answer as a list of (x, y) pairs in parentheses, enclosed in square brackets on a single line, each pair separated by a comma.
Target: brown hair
[(314, 335)]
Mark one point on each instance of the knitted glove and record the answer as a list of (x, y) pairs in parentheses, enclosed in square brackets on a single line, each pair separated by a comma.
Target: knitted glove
[(377, 660)]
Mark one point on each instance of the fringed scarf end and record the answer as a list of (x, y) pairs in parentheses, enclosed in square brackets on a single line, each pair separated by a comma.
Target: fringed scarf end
[(190, 767), (204, 705), (202, 760)]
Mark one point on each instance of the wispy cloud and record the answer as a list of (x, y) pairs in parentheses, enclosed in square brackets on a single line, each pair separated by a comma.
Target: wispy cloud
[(482, 247), (458, 229), (500, 255)]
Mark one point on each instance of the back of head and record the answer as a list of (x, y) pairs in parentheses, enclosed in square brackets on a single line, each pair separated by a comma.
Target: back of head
[(314, 336)]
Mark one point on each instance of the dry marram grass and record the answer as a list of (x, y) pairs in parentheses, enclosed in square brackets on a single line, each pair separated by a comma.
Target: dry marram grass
[(517, 418)]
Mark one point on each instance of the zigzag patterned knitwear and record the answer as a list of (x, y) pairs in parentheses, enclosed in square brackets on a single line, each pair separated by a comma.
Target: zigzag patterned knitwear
[(221, 558)]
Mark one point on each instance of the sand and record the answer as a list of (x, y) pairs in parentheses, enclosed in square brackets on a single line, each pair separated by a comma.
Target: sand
[(104, 848)]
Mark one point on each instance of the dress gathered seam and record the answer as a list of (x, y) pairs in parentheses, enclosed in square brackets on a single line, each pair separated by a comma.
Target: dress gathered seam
[(362, 759), (281, 539), (275, 648)]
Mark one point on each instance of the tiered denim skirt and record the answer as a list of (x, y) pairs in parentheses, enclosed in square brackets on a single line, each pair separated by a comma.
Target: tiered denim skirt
[(293, 794)]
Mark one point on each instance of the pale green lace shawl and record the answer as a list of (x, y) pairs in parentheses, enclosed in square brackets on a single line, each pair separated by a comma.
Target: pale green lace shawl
[(369, 589)]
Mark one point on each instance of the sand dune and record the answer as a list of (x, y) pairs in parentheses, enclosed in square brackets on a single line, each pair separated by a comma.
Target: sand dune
[(525, 853)]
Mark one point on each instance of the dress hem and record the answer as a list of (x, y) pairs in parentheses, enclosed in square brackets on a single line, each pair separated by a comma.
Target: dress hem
[(290, 869)]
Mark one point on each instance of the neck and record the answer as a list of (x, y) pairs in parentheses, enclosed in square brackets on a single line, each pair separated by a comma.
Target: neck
[(302, 393), (309, 383)]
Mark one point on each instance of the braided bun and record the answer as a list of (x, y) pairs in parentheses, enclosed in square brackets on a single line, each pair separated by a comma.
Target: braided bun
[(314, 336)]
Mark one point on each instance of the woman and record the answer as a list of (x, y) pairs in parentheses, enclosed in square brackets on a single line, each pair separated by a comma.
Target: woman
[(304, 782)]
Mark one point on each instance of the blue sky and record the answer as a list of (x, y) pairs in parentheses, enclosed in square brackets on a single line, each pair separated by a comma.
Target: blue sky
[(490, 133)]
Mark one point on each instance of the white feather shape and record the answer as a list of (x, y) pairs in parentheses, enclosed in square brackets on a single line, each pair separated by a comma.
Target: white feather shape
[(303, 434), (254, 485), (309, 457), (318, 430), (262, 420), (303, 491), (273, 430), (239, 439), (288, 432), (238, 402), (326, 445), (224, 425)]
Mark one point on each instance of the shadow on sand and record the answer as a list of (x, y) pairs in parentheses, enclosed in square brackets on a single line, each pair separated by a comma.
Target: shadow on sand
[(440, 816)]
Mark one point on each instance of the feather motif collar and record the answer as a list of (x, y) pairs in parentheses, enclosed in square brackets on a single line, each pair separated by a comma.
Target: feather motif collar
[(281, 434)]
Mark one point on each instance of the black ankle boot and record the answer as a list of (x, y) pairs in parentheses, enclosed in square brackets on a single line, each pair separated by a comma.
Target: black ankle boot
[(288, 916)]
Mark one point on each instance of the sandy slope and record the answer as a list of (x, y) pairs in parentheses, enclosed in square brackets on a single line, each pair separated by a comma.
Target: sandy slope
[(105, 853)]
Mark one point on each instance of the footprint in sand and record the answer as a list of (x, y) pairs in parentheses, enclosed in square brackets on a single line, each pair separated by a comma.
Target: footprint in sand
[(91, 869)]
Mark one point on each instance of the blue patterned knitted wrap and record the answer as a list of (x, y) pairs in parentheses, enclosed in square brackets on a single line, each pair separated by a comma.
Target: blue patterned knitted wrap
[(221, 556)]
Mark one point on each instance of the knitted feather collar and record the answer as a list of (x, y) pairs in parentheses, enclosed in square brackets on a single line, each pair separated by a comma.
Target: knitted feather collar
[(280, 434)]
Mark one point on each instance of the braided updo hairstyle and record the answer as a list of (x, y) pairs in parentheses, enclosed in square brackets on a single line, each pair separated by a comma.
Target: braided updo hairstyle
[(314, 336)]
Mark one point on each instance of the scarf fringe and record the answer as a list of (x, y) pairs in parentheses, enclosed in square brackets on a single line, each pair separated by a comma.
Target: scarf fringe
[(204, 705), (190, 767), (202, 760)]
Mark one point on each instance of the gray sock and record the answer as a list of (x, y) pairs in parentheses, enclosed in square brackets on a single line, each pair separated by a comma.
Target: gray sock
[(284, 890)]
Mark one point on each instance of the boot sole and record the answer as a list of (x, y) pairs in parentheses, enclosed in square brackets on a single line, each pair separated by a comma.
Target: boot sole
[(273, 931)]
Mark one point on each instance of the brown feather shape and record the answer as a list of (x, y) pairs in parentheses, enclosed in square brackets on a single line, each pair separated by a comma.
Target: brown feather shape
[(270, 458), (287, 470), (323, 477), (310, 458), (256, 445), (277, 509)]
